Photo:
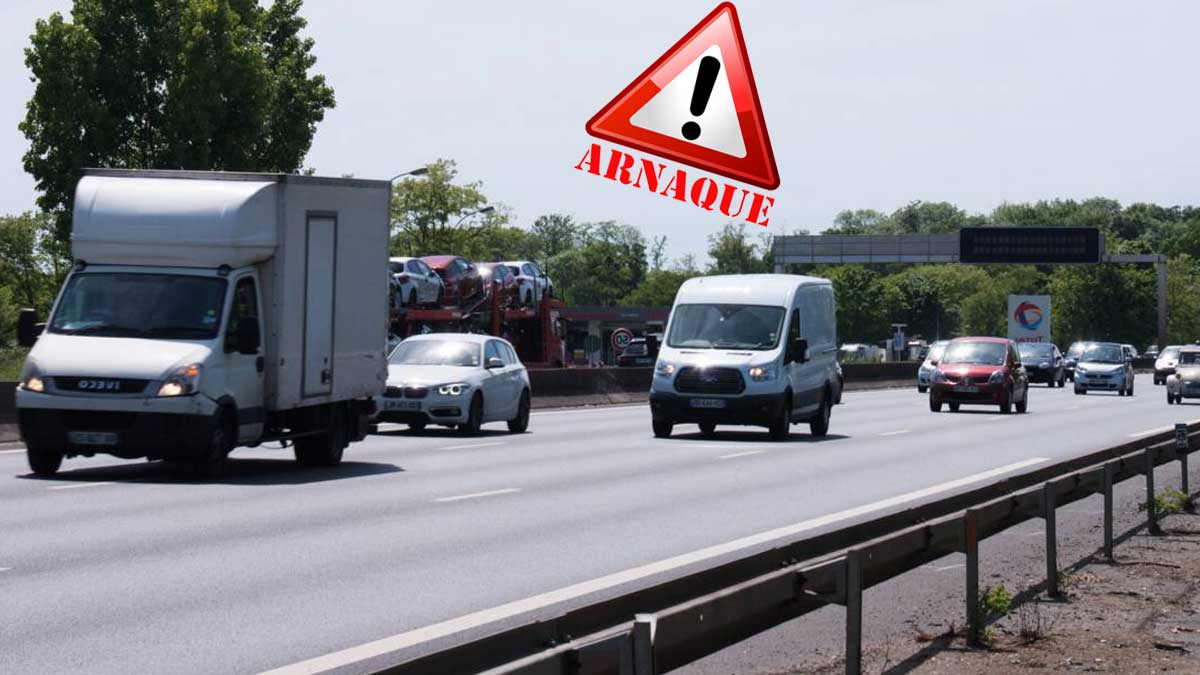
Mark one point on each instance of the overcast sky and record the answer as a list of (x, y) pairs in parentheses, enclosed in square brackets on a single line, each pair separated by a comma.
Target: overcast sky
[(869, 104)]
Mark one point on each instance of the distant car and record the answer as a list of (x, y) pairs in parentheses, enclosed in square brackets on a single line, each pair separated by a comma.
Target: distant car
[(1151, 352), (932, 355), (393, 341), (460, 279), (1072, 356), (1185, 382), (455, 380), (1131, 350), (498, 278), (1104, 366), (1164, 365), (980, 370), (416, 283), (637, 353), (1043, 363), (528, 272)]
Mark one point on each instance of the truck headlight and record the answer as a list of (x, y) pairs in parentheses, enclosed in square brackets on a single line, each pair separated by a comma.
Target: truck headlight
[(183, 381), (455, 389), (664, 368), (762, 373)]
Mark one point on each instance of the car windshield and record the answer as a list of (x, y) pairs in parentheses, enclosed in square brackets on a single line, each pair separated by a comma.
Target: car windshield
[(983, 353), (725, 327), (935, 353), (1076, 349), (161, 306), (1035, 350), (1104, 354), (1169, 353), (436, 353), (1189, 359)]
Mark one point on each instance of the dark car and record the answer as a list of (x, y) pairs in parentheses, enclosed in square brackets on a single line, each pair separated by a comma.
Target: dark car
[(460, 278), (1072, 357), (498, 278), (980, 370), (637, 353), (1043, 363)]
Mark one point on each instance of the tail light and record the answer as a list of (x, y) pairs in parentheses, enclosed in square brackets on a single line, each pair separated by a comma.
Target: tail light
[(403, 278)]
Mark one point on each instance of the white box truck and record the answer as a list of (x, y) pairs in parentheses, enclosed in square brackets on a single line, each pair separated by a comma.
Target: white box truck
[(207, 311)]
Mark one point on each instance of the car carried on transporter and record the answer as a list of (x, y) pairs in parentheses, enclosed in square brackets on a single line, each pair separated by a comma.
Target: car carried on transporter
[(415, 284), (1105, 366), (980, 370), (754, 349), (1185, 381), (455, 380)]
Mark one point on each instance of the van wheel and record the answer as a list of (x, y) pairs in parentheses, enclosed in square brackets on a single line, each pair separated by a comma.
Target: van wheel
[(419, 425), (662, 429), (781, 428), (520, 423), (707, 428), (474, 418), (43, 461), (325, 448), (819, 425)]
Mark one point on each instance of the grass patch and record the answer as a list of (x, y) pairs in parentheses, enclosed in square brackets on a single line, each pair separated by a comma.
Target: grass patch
[(11, 360)]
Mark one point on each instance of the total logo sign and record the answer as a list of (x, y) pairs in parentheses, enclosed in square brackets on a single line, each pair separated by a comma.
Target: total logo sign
[(1029, 318)]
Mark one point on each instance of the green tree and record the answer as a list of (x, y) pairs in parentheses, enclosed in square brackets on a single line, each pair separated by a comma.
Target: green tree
[(734, 252), (1183, 300), (428, 213), (861, 316), (173, 84), (605, 269), (557, 232), (658, 289)]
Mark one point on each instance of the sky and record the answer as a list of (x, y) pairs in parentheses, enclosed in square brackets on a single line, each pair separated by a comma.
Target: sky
[(868, 103)]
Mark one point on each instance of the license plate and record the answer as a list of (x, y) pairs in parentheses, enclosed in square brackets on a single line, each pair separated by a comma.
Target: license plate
[(92, 437), (402, 405), (707, 403), (966, 389)]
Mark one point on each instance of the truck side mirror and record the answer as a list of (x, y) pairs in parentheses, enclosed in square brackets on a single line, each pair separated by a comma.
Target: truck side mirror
[(28, 327), (245, 339)]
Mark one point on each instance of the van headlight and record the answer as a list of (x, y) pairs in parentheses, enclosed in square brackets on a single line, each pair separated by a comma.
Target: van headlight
[(762, 373), (664, 368), (455, 389), (183, 381), (33, 382)]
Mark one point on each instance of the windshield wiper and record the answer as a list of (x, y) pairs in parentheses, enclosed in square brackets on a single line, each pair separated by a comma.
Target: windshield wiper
[(104, 328)]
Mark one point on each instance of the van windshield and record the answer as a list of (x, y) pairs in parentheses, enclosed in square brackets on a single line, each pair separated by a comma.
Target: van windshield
[(160, 306), (725, 327)]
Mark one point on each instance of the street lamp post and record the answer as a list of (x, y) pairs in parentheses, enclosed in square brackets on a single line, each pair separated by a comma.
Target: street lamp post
[(486, 209), (415, 172)]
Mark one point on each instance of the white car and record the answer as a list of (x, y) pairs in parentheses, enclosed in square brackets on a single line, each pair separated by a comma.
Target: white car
[(455, 380), (528, 273), (930, 364), (416, 283)]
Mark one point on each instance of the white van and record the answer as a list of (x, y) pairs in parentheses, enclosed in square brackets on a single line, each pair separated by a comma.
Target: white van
[(749, 349)]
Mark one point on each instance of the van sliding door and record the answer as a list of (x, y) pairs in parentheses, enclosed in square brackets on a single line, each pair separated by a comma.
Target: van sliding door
[(319, 284)]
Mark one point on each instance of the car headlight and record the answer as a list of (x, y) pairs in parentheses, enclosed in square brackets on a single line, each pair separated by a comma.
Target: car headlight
[(762, 373), (183, 381), (455, 389), (1081, 369), (664, 368), (997, 377), (938, 376)]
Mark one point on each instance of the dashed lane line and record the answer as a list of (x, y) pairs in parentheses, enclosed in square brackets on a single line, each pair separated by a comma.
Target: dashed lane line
[(75, 486), (471, 445), (746, 453), (477, 495), (896, 433)]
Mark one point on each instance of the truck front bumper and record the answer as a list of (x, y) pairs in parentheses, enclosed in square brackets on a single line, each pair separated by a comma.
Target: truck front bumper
[(758, 410)]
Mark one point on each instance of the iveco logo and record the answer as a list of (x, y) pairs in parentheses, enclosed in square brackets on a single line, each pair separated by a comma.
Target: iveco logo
[(100, 385)]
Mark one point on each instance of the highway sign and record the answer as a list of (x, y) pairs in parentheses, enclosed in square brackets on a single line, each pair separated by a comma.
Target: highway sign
[(1030, 245)]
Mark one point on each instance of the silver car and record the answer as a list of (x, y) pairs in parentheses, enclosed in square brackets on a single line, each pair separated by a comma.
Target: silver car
[(1104, 366), (1164, 365), (1185, 381), (930, 364), (416, 284)]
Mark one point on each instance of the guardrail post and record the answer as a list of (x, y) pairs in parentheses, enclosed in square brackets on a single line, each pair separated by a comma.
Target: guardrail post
[(1108, 511), (1151, 511), (643, 644), (1182, 447), (853, 568), (971, 548), (1048, 513)]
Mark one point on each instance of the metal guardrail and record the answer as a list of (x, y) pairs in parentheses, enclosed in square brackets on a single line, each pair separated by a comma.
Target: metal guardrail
[(663, 627)]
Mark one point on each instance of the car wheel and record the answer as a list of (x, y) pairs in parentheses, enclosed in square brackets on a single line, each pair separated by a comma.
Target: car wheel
[(661, 429), (474, 417), (922, 390), (934, 406), (325, 448), (707, 428), (43, 461), (1121, 391), (781, 428), (1006, 406), (441, 297), (1170, 398), (1080, 392), (1062, 381), (1131, 387), (412, 298), (417, 426), (819, 425), (1024, 404), (954, 407), (520, 423)]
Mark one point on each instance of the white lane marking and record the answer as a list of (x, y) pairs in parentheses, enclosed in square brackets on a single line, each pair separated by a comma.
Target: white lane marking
[(5, 569), (472, 445), (81, 485), (1072, 407), (896, 433), (12, 452), (944, 567), (477, 495), (1147, 432), (741, 454), (1000, 417), (592, 409), (440, 630)]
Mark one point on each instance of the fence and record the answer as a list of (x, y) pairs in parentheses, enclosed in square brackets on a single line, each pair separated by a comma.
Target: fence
[(663, 627)]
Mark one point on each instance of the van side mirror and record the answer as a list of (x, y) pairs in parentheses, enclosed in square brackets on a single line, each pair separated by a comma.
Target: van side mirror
[(245, 339), (28, 327), (799, 351)]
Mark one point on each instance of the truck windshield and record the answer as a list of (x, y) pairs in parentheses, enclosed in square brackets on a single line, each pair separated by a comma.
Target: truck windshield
[(725, 327), (160, 306), (436, 353)]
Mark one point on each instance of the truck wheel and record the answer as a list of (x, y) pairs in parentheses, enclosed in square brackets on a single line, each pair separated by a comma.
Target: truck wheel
[(325, 448), (707, 428), (661, 429), (474, 418), (43, 461), (520, 423), (819, 425), (216, 455), (781, 428)]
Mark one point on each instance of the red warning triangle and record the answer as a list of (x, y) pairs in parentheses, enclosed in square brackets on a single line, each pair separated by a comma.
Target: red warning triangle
[(697, 104)]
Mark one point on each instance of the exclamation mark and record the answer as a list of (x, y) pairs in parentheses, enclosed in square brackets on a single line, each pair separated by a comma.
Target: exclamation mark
[(705, 79)]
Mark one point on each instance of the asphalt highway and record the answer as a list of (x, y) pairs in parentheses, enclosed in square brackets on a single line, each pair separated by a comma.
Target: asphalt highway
[(118, 566)]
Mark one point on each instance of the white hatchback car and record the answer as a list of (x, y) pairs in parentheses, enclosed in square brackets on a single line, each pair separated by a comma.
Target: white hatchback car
[(415, 282), (529, 274), (455, 380)]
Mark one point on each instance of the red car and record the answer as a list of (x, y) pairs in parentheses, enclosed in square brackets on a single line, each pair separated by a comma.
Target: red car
[(498, 278), (461, 278), (980, 370)]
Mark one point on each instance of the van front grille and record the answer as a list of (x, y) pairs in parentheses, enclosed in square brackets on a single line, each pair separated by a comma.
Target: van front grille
[(692, 380)]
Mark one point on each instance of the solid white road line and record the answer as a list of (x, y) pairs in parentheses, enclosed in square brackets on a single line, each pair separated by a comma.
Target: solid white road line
[(80, 485), (477, 495), (896, 433), (944, 567), (591, 409), (1147, 432), (741, 454), (5, 569), (12, 452), (436, 631), (472, 445)]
